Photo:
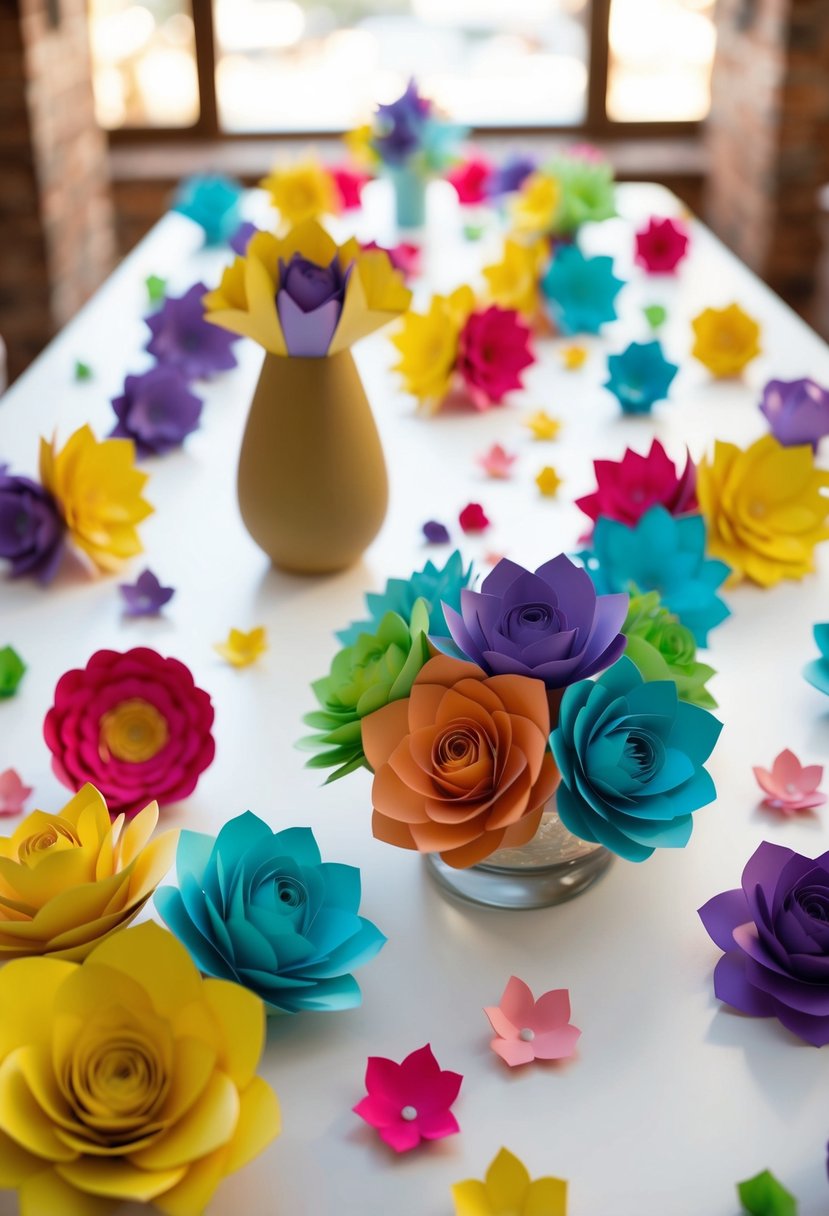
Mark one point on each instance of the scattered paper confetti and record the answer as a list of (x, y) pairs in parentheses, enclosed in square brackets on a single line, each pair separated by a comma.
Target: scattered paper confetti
[(791, 786), (13, 793), (574, 356), (655, 315), (435, 532), (542, 425), (241, 649), (411, 1101), (146, 596), (473, 518), (82, 371), (12, 670), (548, 481), (497, 462), (529, 1029), (508, 1190), (156, 288), (763, 1195)]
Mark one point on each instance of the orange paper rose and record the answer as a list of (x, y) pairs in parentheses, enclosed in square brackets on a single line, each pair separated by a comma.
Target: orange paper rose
[(461, 765)]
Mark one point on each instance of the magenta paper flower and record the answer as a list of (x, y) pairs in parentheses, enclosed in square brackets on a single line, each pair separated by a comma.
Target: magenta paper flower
[(791, 786), (493, 350), (13, 793), (627, 488), (661, 246), (497, 462), (411, 1101), (532, 1030)]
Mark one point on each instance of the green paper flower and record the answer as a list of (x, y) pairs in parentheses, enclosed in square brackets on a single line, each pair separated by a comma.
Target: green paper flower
[(377, 668), (587, 192), (655, 315), (664, 649), (12, 669), (763, 1195), (82, 371), (156, 288)]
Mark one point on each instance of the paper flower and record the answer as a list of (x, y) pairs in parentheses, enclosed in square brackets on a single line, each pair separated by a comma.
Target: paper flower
[(664, 649), (726, 340), (529, 1029), (627, 488), (661, 246), (509, 1191), (579, 291), (262, 909), (774, 934), (31, 529), (156, 410), (81, 371), (514, 282), (146, 596), (435, 533), (790, 786), (135, 725), (665, 554), (128, 1078), (428, 346), (470, 179), (411, 1101), (241, 649), (797, 411), (817, 671), (13, 793), (473, 518), (213, 202), (12, 671), (542, 425), (573, 356), (548, 481), (409, 133), (461, 766), (509, 176), (656, 315), (534, 208), (157, 287), (497, 462), (586, 191), (348, 183), (631, 756), (640, 376), (302, 191), (405, 256), (763, 1195), (764, 508), (378, 668), (493, 350), (434, 584), (182, 338), (241, 238)]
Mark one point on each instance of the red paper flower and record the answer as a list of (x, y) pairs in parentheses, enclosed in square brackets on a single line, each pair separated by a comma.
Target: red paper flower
[(134, 725), (409, 1102), (471, 178), (493, 349), (349, 184), (473, 518), (627, 488), (661, 246)]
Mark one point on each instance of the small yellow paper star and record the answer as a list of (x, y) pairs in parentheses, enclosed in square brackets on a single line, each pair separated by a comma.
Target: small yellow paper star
[(542, 425), (241, 649), (573, 357), (548, 481)]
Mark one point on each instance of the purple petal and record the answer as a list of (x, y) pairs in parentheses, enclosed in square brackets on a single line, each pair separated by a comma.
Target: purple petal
[(722, 914), (732, 986), (307, 334)]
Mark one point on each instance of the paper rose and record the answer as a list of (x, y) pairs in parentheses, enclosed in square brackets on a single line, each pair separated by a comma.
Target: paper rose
[(12, 671), (493, 350), (627, 488), (212, 202), (135, 725), (156, 410), (763, 1195), (775, 935), (665, 649), (508, 1190), (302, 191), (790, 786), (765, 509), (726, 340), (411, 1101), (579, 292), (817, 671), (13, 792), (661, 246), (127, 1078), (146, 596), (514, 282), (797, 411), (640, 376), (31, 528), (182, 338), (262, 909), (461, 766), (529, 1029), (437, 585)]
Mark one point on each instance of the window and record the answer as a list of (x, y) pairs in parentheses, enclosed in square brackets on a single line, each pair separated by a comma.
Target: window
[(661, 53)]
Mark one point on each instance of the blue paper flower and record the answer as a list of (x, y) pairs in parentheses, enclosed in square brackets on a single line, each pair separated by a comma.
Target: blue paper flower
[(631, 755), (640, 376), (817, 672), (212, 201), (259, 908), (661, 553), (579, 291), (433, 584)]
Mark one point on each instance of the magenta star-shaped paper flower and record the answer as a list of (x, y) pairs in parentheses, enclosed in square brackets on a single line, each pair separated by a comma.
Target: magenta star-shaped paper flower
[(661, 246), (146, 596), (532, 1030), (791, 786), (410, 1101), (13, 793), (497, 462)]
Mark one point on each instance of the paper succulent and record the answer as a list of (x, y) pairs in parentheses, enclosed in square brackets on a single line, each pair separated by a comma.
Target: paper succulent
[(528, 1029), (797, 411), (665, 649), (542, 425), (411, 1101), (580, 292), (496, 462), (437, 585), (640, 376), (548, 481), (182, 338), (156, 410), (817, 671), (508, 1190), (726, 340), (627, 488), (493, 350), (213, 202)]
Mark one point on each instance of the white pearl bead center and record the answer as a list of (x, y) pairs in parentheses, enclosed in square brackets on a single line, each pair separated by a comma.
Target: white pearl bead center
[(526, 1035), (409, 1113)]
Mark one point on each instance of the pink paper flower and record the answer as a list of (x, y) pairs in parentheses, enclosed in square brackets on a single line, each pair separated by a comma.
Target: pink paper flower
[(497, 462), (349, 185), (471, 179), (493, 350), (411, 1101), (627, 488), (791, 786), (473, 518), (532, 1030), (404, 256), (13, 793), (661, 246)]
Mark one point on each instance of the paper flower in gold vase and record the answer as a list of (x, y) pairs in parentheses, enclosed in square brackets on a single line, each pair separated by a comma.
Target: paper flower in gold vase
[(765, 507), (127, 1078), (514, 281), (302, 191), (428, 345), (726, 339)]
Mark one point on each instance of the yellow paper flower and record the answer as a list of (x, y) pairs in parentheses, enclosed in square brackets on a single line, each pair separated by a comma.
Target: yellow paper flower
[(245, 300), (534, 208), (764, 509), (509, 1191), (127, 1078), (548, 481), (241, 649), (358, 143), (513, 282), (542, 425), (303, 191), (428, 345), (574, 357), (726, 339)]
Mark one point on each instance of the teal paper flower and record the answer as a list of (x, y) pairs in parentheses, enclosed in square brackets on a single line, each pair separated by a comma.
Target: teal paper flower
[(579, 291), (664, 649), (260, 908), (661, 553), (213, 202), (640, 376), (587, 191), (817, 672), (631, 758), (435, 584)]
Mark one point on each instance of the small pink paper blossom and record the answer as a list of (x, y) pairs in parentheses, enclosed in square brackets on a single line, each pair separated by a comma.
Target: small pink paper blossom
[(532, 1030), (409, 1102), (497, 462), (661, 246), (13, 793), (791, 786)]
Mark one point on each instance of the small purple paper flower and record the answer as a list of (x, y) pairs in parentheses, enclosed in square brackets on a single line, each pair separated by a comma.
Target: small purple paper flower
[(182, 338), (31, 528), (509, 177), (797, 411), (401, 124), (309, 302), (156, 410), (775, 934), (146, 596), (435, 532), (241, 237)]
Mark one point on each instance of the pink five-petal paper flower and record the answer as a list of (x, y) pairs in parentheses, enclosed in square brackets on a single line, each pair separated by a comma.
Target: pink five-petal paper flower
[(791, 786), (13, 793), (410, 1101), (532, 1030), (497, 462)]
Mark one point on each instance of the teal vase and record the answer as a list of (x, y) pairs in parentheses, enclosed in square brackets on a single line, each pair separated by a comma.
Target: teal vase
[(409, 197)]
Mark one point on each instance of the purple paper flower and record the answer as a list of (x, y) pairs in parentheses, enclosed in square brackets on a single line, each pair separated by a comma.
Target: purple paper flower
[(31, 529), (435, 532), (309, 302), (182, 338), (508, 177), (146, 596), (401, 124), (797, 411), (241, 237), (775, 934), (550, 625), (156, 410)]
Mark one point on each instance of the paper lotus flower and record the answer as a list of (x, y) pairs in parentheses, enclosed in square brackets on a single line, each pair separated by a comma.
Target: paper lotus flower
[(262, 909), (128, 1078), (763, 1195), (98, 491), (13, 793), (183, 339), (135, 725), (508, 1190), (765, 509), (493, 350), (156, 410), (146, 596), (661, 246), (241, 649), (726, 339), (514, 282), (411, 1101), (631, 756), (665, 554), (470, 179), (579, 292), (336, 294), (640, 376), (12, 671), (428, 346), (437, 585), (790, 786), (664, 649), (627, 488), (776, 940), (530, 1029), (460, 766), (797, 411), (302, 191), (378, 668), (212, 202), (586, 191), (817, 671), (31, 529)]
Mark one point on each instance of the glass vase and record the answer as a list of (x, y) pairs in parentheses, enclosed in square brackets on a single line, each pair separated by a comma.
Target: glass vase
[(409, 197)]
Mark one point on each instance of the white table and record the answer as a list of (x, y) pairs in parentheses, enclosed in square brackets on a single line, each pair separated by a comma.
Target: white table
[(671, 1098)]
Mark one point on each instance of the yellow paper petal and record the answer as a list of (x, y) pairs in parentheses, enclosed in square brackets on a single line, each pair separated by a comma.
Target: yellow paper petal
[(28, 987), (471, 1199), (16, 1163), (208, 1124), (22, 1118), (47, 1194), (261, 293), (507, 1182), (260, 1122), (546, 1197), (192, 1195), (118, 1179), (241, 1018), (157, 962)]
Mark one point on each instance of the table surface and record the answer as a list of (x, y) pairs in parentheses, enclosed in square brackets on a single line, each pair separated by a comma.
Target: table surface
[(671, 1098)]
